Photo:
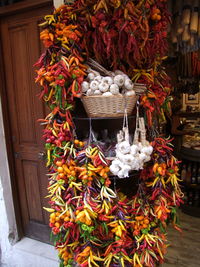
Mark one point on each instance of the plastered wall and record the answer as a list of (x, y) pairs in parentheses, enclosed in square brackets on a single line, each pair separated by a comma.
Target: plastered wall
[(8, 231)]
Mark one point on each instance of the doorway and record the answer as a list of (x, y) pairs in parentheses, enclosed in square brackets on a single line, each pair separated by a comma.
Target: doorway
[(20, 49)]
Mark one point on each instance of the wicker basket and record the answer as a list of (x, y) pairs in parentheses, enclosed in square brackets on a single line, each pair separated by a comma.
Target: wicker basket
[(108, 106)]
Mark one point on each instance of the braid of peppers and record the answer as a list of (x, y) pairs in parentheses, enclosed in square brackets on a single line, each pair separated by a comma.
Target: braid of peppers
[(92, 224)]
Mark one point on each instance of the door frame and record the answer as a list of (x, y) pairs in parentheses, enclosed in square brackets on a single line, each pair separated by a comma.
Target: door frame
[(11, 186)]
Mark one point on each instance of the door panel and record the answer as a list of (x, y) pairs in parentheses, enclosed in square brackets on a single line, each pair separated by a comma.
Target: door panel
[(20, 49), (32, 188), (22, 90)]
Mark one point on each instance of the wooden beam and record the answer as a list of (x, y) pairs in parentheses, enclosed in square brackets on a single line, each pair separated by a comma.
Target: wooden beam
[(22, 6)]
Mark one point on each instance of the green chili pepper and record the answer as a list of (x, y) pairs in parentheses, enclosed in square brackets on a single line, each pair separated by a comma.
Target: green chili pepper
[(84, 227), (145, 231), (58, 95), (48, 146), (52, 106), (61, 182), (91, 229), (105, 227), (102, 180), (72, 178), (162, 228)]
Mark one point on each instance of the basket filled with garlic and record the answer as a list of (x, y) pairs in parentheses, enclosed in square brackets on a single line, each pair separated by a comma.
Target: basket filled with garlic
[(106, 93)]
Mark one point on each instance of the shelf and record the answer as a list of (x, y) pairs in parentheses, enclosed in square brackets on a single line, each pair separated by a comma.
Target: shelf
[(190, 154), (189, 114), (190, 210), (192, 186), (132, 175), (100, 118)]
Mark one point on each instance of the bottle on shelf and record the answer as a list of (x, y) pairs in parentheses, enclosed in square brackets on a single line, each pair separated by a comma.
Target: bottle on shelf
[(188, 173), (198, 175), (191, 198), (183, 172), (194, 173), (185, 197), (196, 198)]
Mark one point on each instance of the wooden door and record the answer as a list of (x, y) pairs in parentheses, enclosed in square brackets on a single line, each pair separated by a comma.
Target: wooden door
[(20, 50)]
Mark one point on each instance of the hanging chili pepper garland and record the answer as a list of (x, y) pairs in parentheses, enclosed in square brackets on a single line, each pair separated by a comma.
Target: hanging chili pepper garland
[(92, 224)]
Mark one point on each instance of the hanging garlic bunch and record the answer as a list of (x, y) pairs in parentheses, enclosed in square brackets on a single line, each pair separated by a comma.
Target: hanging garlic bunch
[(141, 148), (121, 165), (131, 157), (145, 148), (118, 83)]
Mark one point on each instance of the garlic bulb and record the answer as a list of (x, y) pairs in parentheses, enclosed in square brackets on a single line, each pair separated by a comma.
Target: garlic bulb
[(129, 93), (138, 164), (128, 159), (128, 84), (119, 80), (142, 156), (89, 92), (94, 85), (96, 73), (123, 173), (119, 156), (116, 162), (126, 167), (103, 87), (125, 76), (134, 149), (140, 146), (114, 169), (114, 89), (107, 80), (117, 72), (97, 92), (84, 86), (150, 150), (147, 149), (124, 147), (107, 94), (98, 78), (148, 158), (91, 76)]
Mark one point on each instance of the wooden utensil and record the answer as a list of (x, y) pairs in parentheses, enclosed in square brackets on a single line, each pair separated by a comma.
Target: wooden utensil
[(194, 17), (186, 15)]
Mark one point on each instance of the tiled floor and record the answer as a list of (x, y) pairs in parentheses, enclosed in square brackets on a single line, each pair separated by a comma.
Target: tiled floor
[(185, 248), (183, 252), (31, 253)]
